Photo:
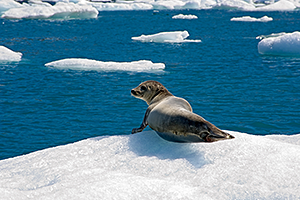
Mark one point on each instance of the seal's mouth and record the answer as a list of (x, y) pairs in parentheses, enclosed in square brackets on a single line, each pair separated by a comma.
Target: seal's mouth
[(135, 93)]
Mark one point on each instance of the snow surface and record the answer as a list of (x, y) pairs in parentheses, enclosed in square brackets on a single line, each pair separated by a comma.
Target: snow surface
[(144, 166), (252, 19), (171, 37), (88, 64), (182, 16), (60, 10), (282, 44), (8, 55), (245, 5)]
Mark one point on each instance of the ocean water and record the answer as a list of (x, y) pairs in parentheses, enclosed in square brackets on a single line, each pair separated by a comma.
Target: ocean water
[(223, 77)]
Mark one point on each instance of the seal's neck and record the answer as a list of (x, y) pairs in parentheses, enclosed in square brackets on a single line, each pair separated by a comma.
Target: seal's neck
[(158, 96)]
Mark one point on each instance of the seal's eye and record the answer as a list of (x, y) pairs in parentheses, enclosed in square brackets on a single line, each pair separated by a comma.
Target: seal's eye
[(143, 88)]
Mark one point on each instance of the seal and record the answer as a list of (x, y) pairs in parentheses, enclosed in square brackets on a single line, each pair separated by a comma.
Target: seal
[(172, 117)]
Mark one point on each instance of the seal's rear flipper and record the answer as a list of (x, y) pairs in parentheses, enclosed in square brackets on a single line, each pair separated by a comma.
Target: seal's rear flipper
[(215, 137)]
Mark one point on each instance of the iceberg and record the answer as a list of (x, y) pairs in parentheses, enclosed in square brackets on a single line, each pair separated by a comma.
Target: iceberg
[(8, 4), (181, 16), (144, 166), (120, 6), (168, 37), (8, 55), (94, 65), (252, 19), (283, 44), (282, 5), (60, 10), (245, 5)]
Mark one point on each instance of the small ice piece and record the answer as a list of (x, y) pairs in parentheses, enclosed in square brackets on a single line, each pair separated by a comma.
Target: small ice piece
[(168, 37), (94, 65), (60, 10), (182, 16), (285, 44), (252, 19), (9, 55)]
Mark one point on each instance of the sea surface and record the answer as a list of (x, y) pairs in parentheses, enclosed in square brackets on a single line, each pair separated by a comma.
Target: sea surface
[(224, 77)]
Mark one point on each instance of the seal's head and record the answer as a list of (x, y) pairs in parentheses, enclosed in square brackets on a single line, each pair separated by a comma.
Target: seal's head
[(150, 90)]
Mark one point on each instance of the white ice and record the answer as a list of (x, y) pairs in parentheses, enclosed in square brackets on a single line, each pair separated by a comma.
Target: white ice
[(252, 19), (60, 10), (182, 16), (245, 5), (8, 4), (282, 5), (168, 37), (121, 6), (8, 55), (94, 65), (283, 44), (144, 166)]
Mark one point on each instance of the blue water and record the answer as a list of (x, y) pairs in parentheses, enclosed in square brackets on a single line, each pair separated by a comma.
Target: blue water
[(223, 77)]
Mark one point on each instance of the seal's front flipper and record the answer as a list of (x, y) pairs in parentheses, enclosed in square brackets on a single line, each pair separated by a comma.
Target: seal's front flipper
[(140, 129)]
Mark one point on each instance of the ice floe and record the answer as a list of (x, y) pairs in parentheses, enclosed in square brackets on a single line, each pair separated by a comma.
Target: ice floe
[(60, 10), (245, 5), (282, 44), (168, 37), (252, 19), (144, 166), (94, 65), (182, 16), (8, 55)]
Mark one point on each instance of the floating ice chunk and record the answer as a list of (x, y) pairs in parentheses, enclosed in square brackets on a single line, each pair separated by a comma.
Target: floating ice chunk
[(121, 6), (283, 44), (182, 16), (144, 165), (171, 37), (9, 55), (252, 19), (60, 10), (8, 4), (87, 64)]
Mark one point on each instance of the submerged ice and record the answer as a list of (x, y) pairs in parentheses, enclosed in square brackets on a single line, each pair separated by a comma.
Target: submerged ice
[(8, 55), (283, 44), (146, 166), (88, 64), (168, 37)]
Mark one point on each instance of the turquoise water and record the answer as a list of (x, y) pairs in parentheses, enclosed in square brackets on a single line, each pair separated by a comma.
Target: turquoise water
[(223, 77)]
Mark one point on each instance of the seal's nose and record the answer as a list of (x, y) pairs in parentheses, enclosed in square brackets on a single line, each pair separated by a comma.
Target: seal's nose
[(133, 92)]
